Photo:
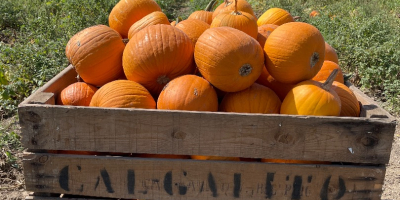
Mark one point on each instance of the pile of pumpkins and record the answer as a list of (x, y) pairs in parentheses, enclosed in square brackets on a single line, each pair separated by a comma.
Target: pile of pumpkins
[(226, 60)]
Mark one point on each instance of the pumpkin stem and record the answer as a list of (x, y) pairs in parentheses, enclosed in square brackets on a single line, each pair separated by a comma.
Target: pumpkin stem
[(328, 83), (314, 59), (210, 5), (296, 17), (162, 80), (245, 70), (236, 12)]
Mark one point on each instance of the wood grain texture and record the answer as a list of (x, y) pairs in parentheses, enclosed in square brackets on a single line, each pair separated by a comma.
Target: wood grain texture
[(124, 177)]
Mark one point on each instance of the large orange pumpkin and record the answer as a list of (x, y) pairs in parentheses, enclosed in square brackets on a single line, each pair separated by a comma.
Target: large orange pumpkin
[(96, 54), (350, 104), (76, 94), (228, 58), (204, 15), (326, 70), (188, 92), (263, 33), (239, 20), (281, 89), (229, 5), (153, 18), (255, 99), (294, 52), (127, 12), (313, 98), (277, 16), (123, 94), (330, 54), (157, 54), (193, 28)]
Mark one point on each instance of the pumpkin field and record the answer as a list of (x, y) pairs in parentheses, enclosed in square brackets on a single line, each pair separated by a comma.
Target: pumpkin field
[(359, 41)]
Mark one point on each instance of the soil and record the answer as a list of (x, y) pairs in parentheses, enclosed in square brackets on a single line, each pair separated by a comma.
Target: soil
[(12, 180)]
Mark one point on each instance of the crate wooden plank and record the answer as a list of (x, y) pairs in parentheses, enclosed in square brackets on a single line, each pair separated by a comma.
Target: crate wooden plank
[(139, 178), (337, 139)]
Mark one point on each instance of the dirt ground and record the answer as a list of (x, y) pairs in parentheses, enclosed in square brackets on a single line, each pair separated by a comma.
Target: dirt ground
[(12, 187)]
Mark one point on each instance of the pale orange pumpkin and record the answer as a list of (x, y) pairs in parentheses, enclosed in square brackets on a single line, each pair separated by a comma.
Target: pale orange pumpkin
[(153, 18), (294, 52), (281, 89), (204, 15), (263, 33), (127, 12), (96, 54), (157, 54), (350, 104), (313, 98), (277, 16), (255, 99), (330, 54), (326, 70), (76, 94), (188, 92), (228, 58), (229, 5), (193, 28), (123, 94)]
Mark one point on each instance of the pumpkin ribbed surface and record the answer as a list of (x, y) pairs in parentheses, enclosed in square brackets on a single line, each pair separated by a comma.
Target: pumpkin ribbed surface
[(127, 12), (330, 54), (281, 89), (242, 21), (275, 16), (96, 54), (193, 28), (228, 58), (263, 33), (205, 16), (157, 54), (123, 94), (350, 104), (188, 92), (294, 52), (255, 99), (326, 70), (150, 19), (76, 94), (229, 5)]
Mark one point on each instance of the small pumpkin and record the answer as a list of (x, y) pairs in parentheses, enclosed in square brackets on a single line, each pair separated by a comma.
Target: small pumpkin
[(229, 5), (153, 18), (313, 98), (76, 94), (123, 94), (255, 99), (237, 19), (326, 70), (188, 92), (350, 104), (263, 33), (126, 12), (314, 13), (222, 158), (294, 52), (228, 58), (330, 54), (96, 54), (157, 54), (193, 28), (204, 15), (277, 16), (281, 89)]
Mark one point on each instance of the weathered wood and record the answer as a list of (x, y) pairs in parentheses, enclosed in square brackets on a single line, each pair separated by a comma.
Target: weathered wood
[(124, 177), (337, 139), (65, 198)]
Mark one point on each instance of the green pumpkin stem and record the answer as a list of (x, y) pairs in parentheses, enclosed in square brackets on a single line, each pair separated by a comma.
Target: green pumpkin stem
[(210, 5), (328, 83)]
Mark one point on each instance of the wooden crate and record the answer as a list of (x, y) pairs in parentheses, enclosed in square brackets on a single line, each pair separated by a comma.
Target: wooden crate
[(359, 149)]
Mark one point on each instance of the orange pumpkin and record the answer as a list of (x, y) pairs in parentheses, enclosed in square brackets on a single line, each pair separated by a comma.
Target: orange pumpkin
[(96, 54), (127, 12), (150, 19), (255, 99), (264, 31), (193, 28), (229, 5), (350, 104), (330, 54), (197, 157), (157, 54), (204, 15), (326, 70), (123, 94), (281, 89), (277, 16), (314, 13), (228, 58), (313, 98), (188, 92), (294, 52), (76, 94), (240, 20)]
